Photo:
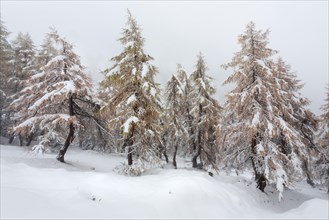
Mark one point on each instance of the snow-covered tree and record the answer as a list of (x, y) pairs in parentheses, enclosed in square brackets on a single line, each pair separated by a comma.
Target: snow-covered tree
[(174, 115), (261, 116), (53, 102), (322, 165), (292, 107), (205, 111), (24, 60), (47, 52), (6, 57), (134, 96), (186, 106), (24, 66)]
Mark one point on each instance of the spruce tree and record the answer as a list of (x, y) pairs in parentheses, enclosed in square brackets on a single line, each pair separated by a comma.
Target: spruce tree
[(134, 97)]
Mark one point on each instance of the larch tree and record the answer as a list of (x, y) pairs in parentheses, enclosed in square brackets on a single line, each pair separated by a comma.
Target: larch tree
[(174, 117), (47, 52), (6, 58), (205, 111), (322, 164), (55, 98), (134, 98), (293, 110), (186, 105), (24, 66), (24, 60), (260, 117)]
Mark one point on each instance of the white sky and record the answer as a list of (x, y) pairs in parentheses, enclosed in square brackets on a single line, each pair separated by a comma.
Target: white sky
[(176, 31)]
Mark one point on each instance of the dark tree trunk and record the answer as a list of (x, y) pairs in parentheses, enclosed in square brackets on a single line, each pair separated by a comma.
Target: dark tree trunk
[(128, 143), (163, 147), (194, 159), (166, 156), (70, 136), (11, 139), (174, 157), (261, 182), (20, 140), (259, 177), (68, 141), (102, 138), (29, 139), (130, 157), (190, 130), (163, 150)]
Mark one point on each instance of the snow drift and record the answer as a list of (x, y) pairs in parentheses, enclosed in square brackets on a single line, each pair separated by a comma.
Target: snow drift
[(39, 187)]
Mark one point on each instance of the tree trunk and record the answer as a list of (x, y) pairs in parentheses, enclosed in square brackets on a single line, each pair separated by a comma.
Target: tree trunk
[(70, 136), (130, 157), (102, 138), (166, 156), (308, 173), (190, 130), (20, 140), (261, 182), (194, 160), (129, 142), (68, 141), (29, 139), (174, 157), (259, 177), (11, 139)]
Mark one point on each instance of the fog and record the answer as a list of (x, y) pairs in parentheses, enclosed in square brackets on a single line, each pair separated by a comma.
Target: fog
[(176, 32)]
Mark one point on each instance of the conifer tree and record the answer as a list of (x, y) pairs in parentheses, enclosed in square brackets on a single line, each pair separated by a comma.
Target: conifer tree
[(205, 113), (322, 165), (186, 106), (47, 52), (262, 115), (24, 60), (53, 103), (24, 66), (292, 107), (6, 58), (134, 97), (174, 114)]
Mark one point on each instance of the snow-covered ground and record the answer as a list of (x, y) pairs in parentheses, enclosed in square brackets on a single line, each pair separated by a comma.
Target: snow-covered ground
[(40, 187)]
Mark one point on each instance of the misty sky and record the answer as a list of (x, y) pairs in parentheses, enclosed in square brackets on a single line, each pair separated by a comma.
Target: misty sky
[(176, 31)]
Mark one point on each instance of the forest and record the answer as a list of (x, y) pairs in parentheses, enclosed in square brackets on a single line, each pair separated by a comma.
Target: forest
[(265, 125)]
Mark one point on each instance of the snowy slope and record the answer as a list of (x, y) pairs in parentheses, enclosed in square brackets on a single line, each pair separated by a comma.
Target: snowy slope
[(39, 187)]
